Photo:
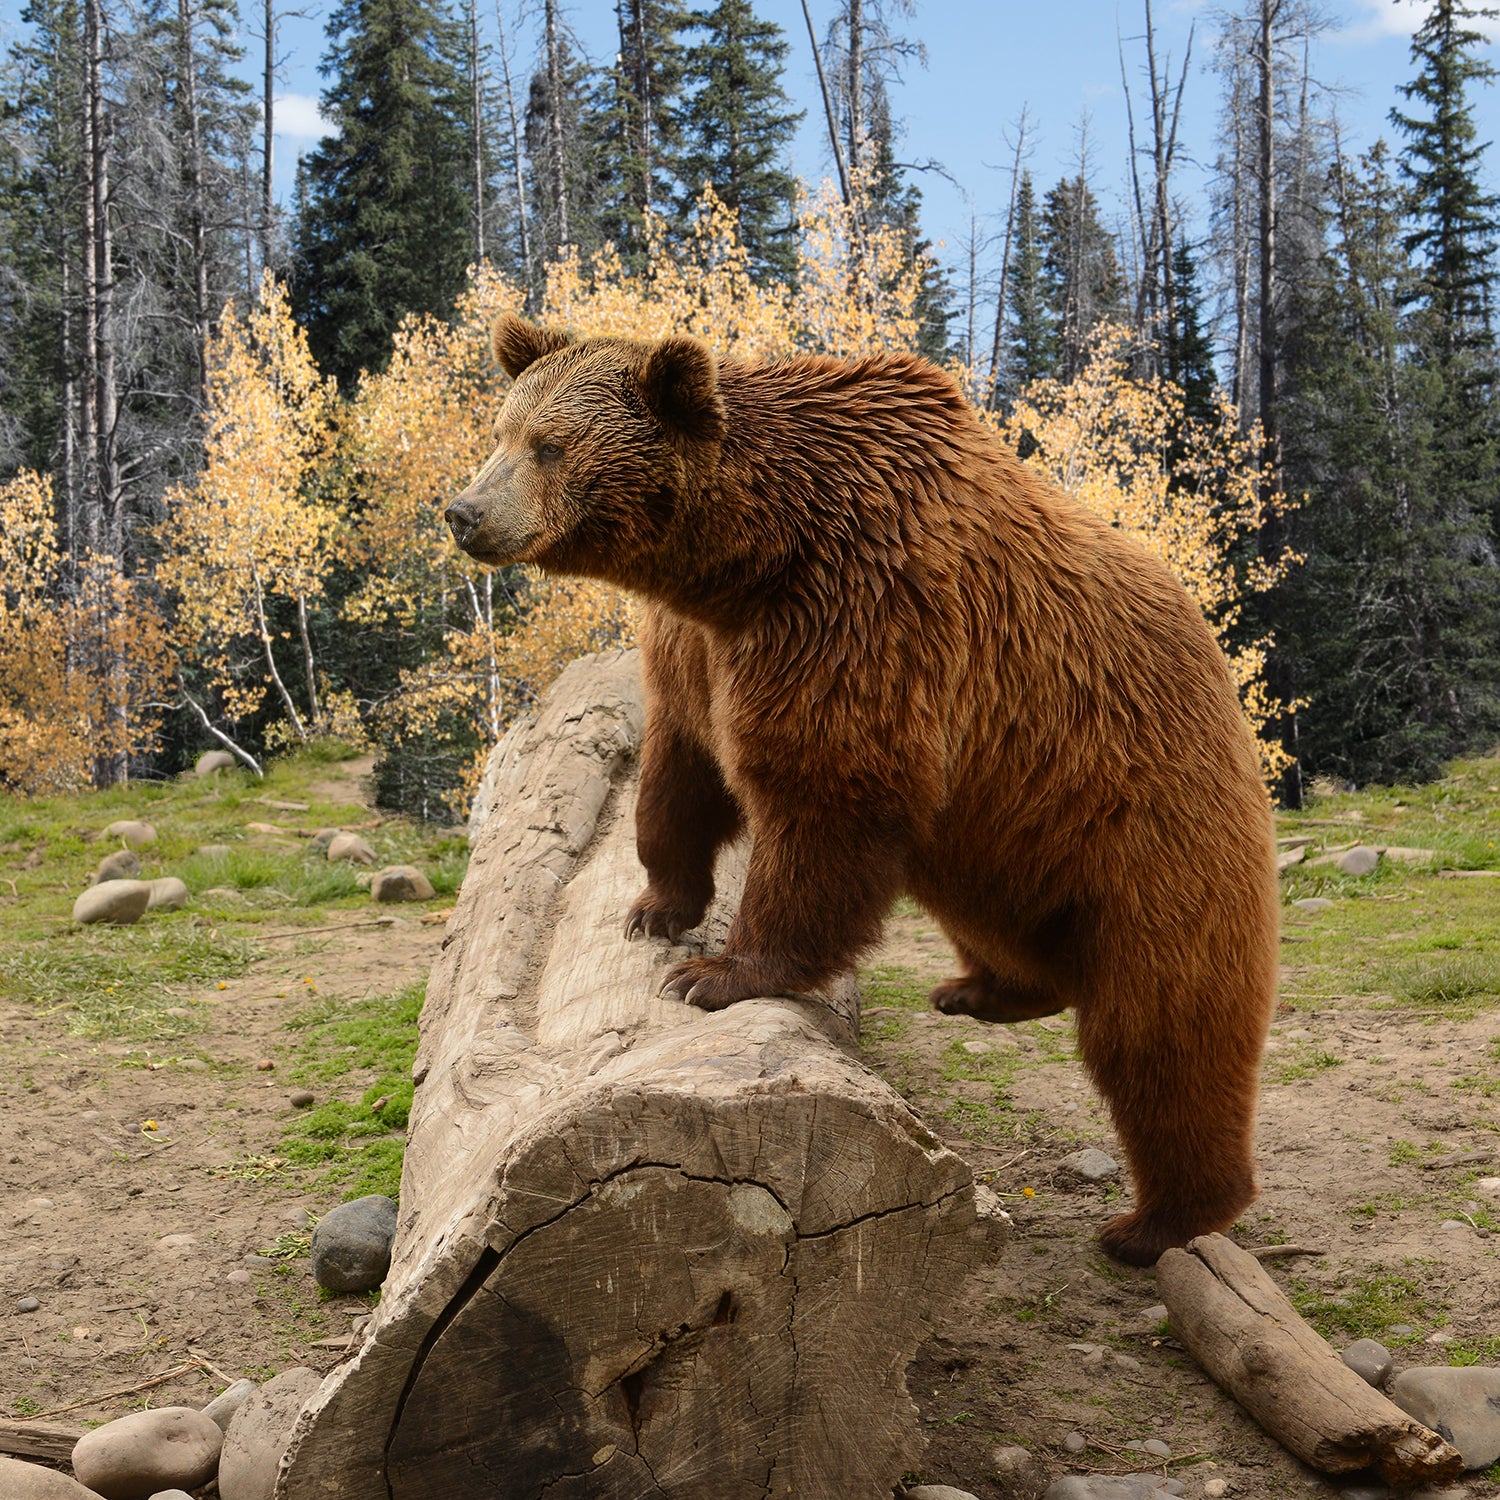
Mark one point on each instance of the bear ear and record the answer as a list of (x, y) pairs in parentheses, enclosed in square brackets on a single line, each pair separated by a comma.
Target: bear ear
[(519, 344), (680, 381)]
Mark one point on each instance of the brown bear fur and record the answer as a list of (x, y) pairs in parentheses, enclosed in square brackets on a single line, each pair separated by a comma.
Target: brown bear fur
[(907, 664)]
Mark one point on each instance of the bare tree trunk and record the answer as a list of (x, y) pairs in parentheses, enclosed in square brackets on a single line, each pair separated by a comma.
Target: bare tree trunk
[(268, 139), (476, 127), (643, 99), (833, 128), (91, 539), (186, 19), (271, 667), (307, 660), (106, 401), (515, 147), (858, 167), (1010, 231), (1266, 124), (556, 165)]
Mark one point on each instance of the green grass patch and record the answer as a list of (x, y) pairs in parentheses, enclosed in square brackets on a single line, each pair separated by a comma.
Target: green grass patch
[(1304, 1062), (1367, 1309), (356, 1143)]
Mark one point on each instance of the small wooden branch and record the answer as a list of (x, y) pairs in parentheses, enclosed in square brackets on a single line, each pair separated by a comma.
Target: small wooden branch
[(1233, 1319), (129, 1390), (1285, 1252)]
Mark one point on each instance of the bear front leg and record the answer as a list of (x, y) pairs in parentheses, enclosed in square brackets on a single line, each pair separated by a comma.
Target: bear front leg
[(684, 815), (816, 893)]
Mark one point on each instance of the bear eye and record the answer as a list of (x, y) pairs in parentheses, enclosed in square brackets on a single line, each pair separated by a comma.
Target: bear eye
[(549, 451)]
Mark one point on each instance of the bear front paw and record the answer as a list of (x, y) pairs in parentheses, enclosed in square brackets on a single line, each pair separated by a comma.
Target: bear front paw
[(654, 915), (715, 983)]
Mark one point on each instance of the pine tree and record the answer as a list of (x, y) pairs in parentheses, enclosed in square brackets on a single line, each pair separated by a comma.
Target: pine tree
[(384, 217), (563, 149), (1081, 275), (1188, 355), (1032, 341), (737, 122)]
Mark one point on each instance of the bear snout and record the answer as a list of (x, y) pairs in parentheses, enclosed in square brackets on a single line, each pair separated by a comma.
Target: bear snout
[(462, 516)]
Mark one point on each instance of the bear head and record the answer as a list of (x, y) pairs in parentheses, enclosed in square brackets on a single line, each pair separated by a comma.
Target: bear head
[(598, 445)]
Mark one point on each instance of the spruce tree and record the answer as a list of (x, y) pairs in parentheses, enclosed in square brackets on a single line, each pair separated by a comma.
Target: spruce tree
[(564, 150), (383, 208), (1032, 340), (1081, 275), (1188, 355), (736, 123)]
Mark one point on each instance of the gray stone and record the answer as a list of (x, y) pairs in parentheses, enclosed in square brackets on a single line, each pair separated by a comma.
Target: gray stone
[(171, 1495), (167, 894), (1160, 1485), (1156, 1313), (1400, 1330), (135, 835), (298, 1217), (136, 1455), (1289, 857), (1157, 1448), (1369, 1360), (27, 1304), (350, 846), (123, 864), (257, 1262), (1102, 1487), (300, 1098), (118, 901), (351, 1247), (1215, 1489), (240, 1276), (258, 1432), (1365, 1492), (1313, 903), (213, 760), (401, 883), (1360, 860), (23, 1481), (227, 1402), (321, 839), (1091, 1164), (1075, 1442), (1018, 1471), (1461, 1405), (940, 1492)]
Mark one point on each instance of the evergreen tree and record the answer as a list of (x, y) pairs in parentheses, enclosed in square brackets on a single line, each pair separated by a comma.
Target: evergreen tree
[(1080, 273), (639, 125), (1032, 339), (737, 122), (384, 212), (1188, 355), (563, 149)]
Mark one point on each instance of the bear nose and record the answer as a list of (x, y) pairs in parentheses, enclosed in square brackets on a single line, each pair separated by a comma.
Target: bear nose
[(462, 517)]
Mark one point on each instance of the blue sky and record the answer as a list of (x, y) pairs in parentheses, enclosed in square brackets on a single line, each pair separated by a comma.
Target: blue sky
[(984, 61)]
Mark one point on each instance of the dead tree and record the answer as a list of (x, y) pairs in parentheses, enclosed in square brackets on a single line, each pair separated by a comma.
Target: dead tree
[(643, 1250)]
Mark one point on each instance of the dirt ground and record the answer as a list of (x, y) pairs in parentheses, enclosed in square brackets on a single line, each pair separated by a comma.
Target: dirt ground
[(133, 1239)]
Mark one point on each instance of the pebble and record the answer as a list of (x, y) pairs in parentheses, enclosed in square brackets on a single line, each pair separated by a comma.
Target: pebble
[(1157, 1448), (1400, 1330), (123, 864), (1215, 1489), (350, 846), (1075, 1442), (1312, 903), (401, 883), (1453, 1224), (211, 761), (300, 1098), (255, 1261), (351, 1247), (1156, 1313), (148, 1451), (1103, 1487), (1369, 1360), (1361, 860), (39, 1203), (361, 1323), (121, 902), (239, 1276), (171, 1495), (167, 894), (227, 1402), (1365, 1492), (978, 1048), (321, 839), (296, 1216), (940, 1492), (27, 1304), (23, 1481), (1091, 1164), (1462, 1405), (136, 835), (258, 1432), (265, 1065)]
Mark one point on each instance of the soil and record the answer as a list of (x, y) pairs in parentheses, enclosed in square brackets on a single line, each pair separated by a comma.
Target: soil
[(94, 1210)]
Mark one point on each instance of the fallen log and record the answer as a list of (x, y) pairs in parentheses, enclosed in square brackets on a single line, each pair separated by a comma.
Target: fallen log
[(1235, 1321), (643, 1250), (49, 1440)]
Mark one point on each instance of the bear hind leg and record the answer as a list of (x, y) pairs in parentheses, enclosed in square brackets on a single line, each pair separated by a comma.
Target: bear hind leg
[(983, 994)]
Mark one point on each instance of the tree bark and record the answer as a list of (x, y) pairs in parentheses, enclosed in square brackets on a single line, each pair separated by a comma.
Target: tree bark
[(517, 155), (556, 164), (643, 1250), (197, 229), (1234, 1320), (268, 140)]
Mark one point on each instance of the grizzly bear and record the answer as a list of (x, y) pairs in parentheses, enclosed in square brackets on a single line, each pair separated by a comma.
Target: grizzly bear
[(878, 641)]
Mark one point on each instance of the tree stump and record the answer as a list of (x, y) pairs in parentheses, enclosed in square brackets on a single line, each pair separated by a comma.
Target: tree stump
[(643, 1250)]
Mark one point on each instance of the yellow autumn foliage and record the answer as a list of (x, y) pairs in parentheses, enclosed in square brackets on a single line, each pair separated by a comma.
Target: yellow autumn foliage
[(78, 672)]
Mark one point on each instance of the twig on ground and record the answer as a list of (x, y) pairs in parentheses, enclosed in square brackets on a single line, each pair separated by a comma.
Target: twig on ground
[(1280, 1252), (145, 1385)]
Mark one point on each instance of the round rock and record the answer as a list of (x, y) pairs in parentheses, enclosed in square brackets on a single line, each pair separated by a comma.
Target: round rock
[(135, 835), (227, 1402), (1103, 1487), (1092, 1165), (258, 1432), (351, 1247), (123, 864), (211, 761), (1361, 860), (1369, 1360), (171, 1495), (118, 901), (350, 846), (321, 839), (133, 1457), (300, 1099), (401, 883), (1461, 1405), (1313, 903), (939, 1492), (22, 1481), (27, 1304), (167, 894)]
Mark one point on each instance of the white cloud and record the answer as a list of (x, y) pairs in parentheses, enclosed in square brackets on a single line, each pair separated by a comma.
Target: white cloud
[(297, 116), (1374, 20)]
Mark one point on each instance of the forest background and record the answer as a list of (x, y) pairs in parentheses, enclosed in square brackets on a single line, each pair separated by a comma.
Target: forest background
[(229, 422)]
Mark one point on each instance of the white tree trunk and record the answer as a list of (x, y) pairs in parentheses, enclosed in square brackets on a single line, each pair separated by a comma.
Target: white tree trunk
[(643, 1250)]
